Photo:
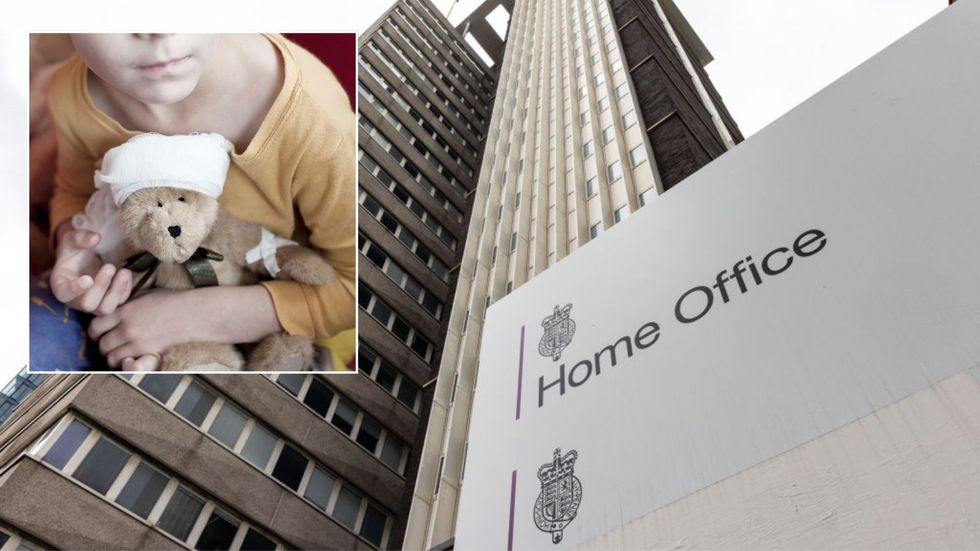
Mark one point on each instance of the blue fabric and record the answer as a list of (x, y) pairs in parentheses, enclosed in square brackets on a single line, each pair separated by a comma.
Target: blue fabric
[(57, 334)]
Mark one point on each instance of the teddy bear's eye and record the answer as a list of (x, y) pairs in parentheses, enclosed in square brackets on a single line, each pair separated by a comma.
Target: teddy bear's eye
[(159, 204), (181, 199)]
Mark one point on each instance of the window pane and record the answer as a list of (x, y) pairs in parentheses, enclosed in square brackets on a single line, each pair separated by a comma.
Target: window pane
[(407, 393), (101, 466), (141, 492), (373, 527), (345, 511), (3, 538), (614, 171), (181, 513), (381, 313), (289, 467), (368, 434), (293, 382), (319, 488), (66, 445), (160, 385), (318, 397), (395, 273), (391, 454), (421, 346), (255, 541), (343, 417), (386, 377), (227, 426), (219, 531), (195, 404), (375, 255), (638, 155), (366, 357), (258, 447), (400, 329), (413, 288)]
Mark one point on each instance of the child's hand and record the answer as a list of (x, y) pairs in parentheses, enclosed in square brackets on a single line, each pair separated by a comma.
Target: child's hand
[(80, 279), (144, 328)]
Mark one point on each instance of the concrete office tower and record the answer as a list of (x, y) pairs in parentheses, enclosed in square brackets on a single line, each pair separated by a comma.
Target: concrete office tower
[(424, 103), (603, 105), (170, 461)]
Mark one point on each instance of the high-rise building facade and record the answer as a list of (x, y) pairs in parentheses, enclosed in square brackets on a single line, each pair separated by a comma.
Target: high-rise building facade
[(171, 461), (290, 461), (424, 103), (17, 390), (603, 105)]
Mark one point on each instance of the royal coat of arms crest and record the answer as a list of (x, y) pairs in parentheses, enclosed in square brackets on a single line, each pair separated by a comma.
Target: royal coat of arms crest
[(561, 494), (559, 329)]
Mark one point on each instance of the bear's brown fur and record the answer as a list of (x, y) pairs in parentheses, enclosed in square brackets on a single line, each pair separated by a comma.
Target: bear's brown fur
[(171, 224)]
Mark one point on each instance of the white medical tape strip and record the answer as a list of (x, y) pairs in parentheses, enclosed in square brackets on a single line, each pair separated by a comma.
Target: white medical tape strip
[(266, 250)]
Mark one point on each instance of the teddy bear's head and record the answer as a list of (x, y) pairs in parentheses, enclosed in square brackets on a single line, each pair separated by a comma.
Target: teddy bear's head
[(167, 222)]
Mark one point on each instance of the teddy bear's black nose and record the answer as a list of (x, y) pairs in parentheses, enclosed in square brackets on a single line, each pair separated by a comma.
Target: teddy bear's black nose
[(174, 231)]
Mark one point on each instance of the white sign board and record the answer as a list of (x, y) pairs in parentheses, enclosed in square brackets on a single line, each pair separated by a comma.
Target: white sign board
[(821, 270)]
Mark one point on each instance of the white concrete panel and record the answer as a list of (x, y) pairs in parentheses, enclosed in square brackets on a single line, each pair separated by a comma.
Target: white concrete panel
[(906, 476)]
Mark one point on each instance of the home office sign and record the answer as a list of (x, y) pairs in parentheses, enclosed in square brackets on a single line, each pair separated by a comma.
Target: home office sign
[(820, 271)]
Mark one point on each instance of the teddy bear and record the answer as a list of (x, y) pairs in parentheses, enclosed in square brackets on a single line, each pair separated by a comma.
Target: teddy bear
[(166, 189)]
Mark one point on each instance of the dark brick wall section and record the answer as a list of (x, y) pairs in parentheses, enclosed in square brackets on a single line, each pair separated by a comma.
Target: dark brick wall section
[(678, 125)]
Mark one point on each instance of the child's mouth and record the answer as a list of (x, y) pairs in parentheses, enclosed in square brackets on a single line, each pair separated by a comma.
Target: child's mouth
[(164, 66)]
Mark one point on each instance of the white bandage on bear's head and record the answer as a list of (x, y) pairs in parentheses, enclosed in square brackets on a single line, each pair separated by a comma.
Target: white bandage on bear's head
[(197, 162)]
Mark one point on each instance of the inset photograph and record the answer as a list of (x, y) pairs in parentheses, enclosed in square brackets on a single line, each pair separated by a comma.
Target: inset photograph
[(192, 202)]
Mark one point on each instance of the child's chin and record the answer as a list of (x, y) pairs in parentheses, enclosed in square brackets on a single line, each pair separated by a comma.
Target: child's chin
[(166, 92)]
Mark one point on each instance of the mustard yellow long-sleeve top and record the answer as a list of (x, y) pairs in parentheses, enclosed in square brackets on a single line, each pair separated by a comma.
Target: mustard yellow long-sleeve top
[(297, 177)]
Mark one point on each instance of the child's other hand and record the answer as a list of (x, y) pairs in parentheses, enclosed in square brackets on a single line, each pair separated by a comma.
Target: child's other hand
[(152, 323), (80, 279)]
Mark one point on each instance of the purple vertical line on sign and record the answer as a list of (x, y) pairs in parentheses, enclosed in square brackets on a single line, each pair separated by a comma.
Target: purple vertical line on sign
[(520, 375), (513, 495)]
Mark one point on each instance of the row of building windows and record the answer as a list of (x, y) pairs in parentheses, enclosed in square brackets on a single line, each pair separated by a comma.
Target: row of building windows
[(399, 276), (416, 143), (614, 170), (446, 66), (404, 235), (447, 104), (419, 120), (10, 540), (456, 93), (110, 470), (268, 452), (410, 167), (374, 367), (424, 152), (429, 188), (394, 323), (448, 123), (346, 417), (406, 198), (433, 18)]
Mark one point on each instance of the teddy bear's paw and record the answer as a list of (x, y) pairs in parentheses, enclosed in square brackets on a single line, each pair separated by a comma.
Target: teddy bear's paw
[(202, 356), (304, 265), (282, 352)]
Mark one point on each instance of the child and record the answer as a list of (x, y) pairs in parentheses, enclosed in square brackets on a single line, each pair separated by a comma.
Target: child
[(292, 171)]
